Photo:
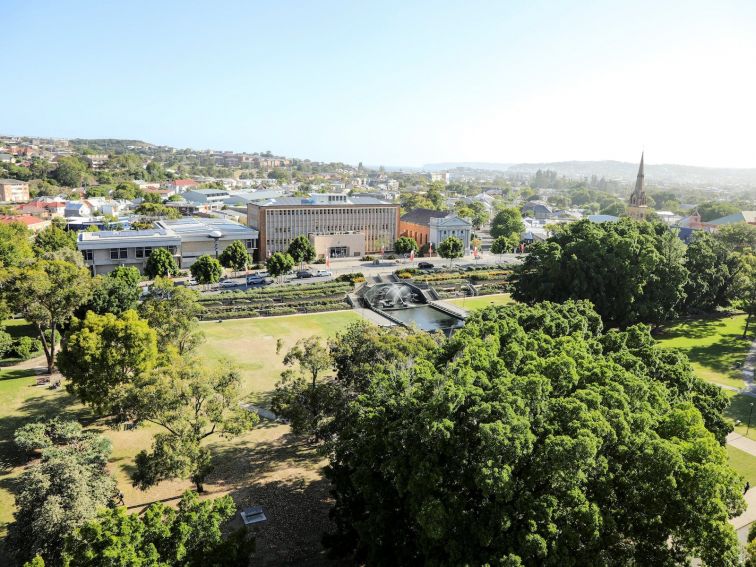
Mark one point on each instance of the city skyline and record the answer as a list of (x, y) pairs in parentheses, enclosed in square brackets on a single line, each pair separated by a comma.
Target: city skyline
[(393, 85)]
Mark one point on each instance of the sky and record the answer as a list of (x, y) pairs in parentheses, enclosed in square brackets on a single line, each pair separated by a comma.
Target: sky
[(395, 83)]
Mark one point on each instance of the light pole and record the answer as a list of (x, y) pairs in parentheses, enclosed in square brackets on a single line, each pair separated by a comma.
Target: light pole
[(749, 419)]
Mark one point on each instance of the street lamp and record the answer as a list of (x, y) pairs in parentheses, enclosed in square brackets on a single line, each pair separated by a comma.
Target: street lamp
[(216, 235), (749, 419)]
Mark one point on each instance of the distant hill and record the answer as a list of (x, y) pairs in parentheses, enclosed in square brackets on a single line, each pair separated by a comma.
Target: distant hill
[(655, 173), (466, 165), (110, 144)]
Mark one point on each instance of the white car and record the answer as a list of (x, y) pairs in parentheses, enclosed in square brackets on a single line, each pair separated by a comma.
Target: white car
[(225, 284), (323, 273)]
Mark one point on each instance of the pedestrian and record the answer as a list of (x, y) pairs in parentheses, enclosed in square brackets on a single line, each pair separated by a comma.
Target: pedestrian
[(747, 486)]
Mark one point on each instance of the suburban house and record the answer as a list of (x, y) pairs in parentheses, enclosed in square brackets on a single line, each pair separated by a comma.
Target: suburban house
[(337, 225), (35, 224), (187, 239), (13, 191), (44, 207), (77, 209), (537, 209), (181, 185)]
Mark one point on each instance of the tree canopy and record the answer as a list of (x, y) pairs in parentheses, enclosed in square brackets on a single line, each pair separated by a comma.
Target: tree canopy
[(206, 270), (631, 271), (405, 245), (279, 264), (531, 437), (450, 248), (160, 263), (507, 222), (15, 246), (235, 256), (173, 312), (301, 250), (116, 292)]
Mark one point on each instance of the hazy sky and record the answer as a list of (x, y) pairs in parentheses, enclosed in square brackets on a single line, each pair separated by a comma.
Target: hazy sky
[(394, 83)]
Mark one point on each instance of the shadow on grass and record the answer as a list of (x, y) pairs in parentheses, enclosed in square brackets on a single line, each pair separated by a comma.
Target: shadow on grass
[(697, 328), (16, 374), (740, 407), (724, 356)]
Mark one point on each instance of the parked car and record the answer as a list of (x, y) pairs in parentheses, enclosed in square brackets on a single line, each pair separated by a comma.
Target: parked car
[(304, 274), (225, 284), (255, 279), (323, 273), (425, 266)]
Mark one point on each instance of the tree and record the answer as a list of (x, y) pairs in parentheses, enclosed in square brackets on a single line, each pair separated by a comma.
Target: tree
[(192, 536), (435, 194), (173, 312), (450, 248), (739, 237), (712, 210), (504, 244), (615, 209), (47, 293), (301, 250), (405, 245), (15, 244), (105, 357), (127, 190), (235, 256), (190, 403), (206, 270), (745, 290), (531, 437), (117, 292), (279, 264), (713, 272), (71, 171), (54, 238), (155, 171), (298, 396), (507, 222), (157, 210), (160, 264), (614, 265), (67, 487)]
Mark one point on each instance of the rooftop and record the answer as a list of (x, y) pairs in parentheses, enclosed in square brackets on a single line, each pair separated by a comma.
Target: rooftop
[(204, 226), (321, 200), (7, 181), (103, 235), (423, 216)]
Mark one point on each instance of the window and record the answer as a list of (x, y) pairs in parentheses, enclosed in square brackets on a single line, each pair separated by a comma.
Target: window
[(88, 256), (118, 253), (143, 252)]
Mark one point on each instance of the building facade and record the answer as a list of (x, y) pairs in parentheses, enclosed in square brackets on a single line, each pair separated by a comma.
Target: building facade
[(281, 220), (416, 224), (637, 208), (452, 225), (186, 239), (13, 191)]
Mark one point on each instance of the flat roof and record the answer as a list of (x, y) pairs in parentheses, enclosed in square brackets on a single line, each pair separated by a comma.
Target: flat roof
[(201, 227), (310, 202)]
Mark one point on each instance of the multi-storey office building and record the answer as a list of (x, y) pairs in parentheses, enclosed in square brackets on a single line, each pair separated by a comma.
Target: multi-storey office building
[(338, 225)]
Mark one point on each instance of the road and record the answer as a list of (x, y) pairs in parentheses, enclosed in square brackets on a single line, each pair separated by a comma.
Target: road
[(349, 265)]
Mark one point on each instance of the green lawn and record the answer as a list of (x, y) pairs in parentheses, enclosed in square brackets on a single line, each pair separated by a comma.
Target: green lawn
[(744, 463), (715, 346), (482, 301)]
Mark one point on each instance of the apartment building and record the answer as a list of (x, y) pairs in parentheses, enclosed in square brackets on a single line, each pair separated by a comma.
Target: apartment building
[(338, 225), (13, 191)]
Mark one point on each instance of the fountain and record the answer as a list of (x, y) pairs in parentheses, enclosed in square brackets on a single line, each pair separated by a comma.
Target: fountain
[(407, 304)]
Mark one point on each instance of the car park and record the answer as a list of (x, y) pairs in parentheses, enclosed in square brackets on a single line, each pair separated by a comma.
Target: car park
[(425, 266)]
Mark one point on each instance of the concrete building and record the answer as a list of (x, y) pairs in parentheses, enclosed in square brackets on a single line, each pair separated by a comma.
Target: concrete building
[(338, 217), (207, 236), (206, 196), (13, 191), (187, 239), (451, 225)]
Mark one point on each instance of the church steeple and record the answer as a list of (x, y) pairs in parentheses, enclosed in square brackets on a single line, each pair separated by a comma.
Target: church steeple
[(638, 197), (638, 209)]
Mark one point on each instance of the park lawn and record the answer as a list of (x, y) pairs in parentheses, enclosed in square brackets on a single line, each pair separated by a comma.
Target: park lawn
[(481, 301), (715, 346), (744, 463), (250, 344)]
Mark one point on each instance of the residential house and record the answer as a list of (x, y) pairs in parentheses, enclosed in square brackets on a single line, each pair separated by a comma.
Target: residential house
[(181, 185), (537, 209), (35, 224), (13, 191)]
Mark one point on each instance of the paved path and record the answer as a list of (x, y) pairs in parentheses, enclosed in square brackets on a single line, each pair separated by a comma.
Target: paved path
[(262, 412), (748, 369)]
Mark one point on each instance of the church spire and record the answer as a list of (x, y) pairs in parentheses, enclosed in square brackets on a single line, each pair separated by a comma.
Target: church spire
[(638, 197)]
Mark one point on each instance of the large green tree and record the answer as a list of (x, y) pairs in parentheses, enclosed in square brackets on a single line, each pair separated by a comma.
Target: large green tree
[(15, 244), (451, 248), (711, 210), (190, 403), (532, 437), (105, 357), (279, 264), (68, 486), (190, 536), (71, 171), (116, 292), (507, 222), (160, 264), (630, 270), (405, 245), (235, 256), (173, 312), (53, 238), (713, 273), (206, 270), (302, 250), (47, 293)]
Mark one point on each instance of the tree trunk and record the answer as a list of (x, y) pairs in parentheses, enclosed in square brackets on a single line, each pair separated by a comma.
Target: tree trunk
[(748, 321), (199, 487), (49, 349)]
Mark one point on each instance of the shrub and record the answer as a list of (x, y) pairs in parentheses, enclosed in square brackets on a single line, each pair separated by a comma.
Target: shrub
[(404, 275), (367, 258), (26, 347), (320, 261), (351, 277)]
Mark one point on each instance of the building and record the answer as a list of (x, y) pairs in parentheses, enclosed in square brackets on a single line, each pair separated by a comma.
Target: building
[(181, 185), (748, 217), (326, 219), (428, 225), (214, 197), (45, 207), (186, 239), (96, 161), (416, 224), (13, 191), (35, 224), (538, 210), (637, 208), (207, 236)]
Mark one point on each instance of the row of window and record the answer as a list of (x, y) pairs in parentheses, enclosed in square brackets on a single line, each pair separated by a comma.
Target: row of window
[(142, 252)]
